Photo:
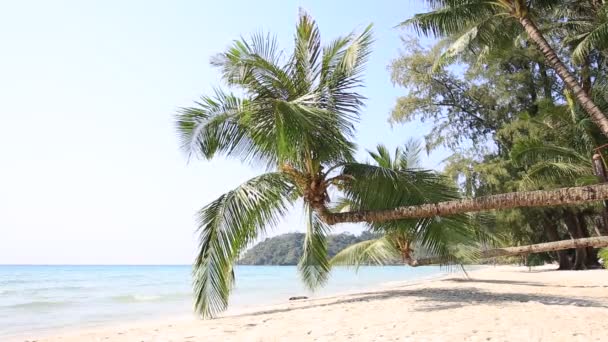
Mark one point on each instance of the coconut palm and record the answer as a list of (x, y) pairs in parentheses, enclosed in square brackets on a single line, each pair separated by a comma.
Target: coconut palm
[(492, 22), (586, 27), (446, 239), (294, 114)]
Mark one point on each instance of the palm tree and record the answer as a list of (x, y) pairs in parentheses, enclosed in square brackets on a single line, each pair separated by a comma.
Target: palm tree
[(586, 29), (446, 239), (294, 114), (487, 23)]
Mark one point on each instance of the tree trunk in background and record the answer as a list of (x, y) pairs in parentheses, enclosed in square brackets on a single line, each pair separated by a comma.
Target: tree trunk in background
[(539, 198), (580, 257), (597, 241), (583, 98), (553, 235), (592, 260), (548, 93), (600, 172)]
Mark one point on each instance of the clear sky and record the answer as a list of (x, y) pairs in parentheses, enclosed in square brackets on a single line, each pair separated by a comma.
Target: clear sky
[(90, 168)]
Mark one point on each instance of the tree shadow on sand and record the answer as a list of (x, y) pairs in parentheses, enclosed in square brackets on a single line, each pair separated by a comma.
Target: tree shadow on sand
[(442, 299), (522, 283)]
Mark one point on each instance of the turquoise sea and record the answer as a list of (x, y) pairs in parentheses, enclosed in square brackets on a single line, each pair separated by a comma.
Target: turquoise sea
[(39, 299)]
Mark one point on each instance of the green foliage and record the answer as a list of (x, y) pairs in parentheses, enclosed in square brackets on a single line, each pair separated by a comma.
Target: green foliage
[(462, 107), (603, 254), (380, 251), (287, 249), (226, 226), (490, 97), (314, 264), (449, 238)]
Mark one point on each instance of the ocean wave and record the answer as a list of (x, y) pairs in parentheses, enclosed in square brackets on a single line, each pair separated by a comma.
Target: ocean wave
[(64, 288), (38, 291), (39, 305), (150, 298), (14, 281)]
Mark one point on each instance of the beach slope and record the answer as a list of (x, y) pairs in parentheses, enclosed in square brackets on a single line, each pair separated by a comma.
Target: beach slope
[(504, 303)]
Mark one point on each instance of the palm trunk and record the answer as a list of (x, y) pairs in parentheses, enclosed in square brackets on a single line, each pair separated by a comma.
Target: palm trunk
[(580, 255), (591, 260), (552, 233), (548, 93), (569, 80), (600, 172), (539, 198), (598, 241)]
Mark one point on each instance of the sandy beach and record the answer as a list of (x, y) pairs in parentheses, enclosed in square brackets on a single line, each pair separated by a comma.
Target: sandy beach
[(504, 303)]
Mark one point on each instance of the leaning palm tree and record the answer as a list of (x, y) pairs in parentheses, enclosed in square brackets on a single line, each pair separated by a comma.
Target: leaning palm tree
[(294, 114), (447, 240), (491, 22)]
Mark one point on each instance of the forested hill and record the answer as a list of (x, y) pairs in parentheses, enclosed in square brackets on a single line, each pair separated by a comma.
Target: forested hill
[(286, 249)]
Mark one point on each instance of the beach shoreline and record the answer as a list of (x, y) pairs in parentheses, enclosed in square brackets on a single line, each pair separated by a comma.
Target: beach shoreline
[(496, 303)]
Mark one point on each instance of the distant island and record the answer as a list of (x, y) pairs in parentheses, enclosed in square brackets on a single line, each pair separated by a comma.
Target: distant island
[(286, 249)]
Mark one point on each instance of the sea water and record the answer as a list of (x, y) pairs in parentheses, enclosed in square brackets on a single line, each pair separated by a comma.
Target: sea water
[(39, 299)]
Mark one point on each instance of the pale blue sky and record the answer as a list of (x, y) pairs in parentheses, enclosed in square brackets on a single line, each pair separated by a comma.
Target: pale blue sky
[(90, 169)]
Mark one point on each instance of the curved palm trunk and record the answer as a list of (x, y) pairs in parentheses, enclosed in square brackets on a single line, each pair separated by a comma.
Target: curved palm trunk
[(596, 242), (539, 198), (584, 99)]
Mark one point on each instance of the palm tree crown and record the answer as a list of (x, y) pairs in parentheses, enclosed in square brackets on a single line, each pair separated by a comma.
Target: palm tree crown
[(448, 239)]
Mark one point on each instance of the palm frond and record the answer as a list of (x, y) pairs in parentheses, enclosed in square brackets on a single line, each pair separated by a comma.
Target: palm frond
[(301, 129), (341, 74), (371, 252), (597, 39), (307, 53), (556, 172), (451, 18), (409, 158), (227, 225), (531, 150), (314, 265), (374, 187), (216, 125), (382, 156), (458, 46)]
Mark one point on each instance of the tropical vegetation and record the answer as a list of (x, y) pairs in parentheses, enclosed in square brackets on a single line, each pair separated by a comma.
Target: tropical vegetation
[(287, 249), (512, 118), (516, 89)]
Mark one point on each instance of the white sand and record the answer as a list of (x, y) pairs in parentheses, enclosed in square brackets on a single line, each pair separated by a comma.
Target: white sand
[(504, 303)]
